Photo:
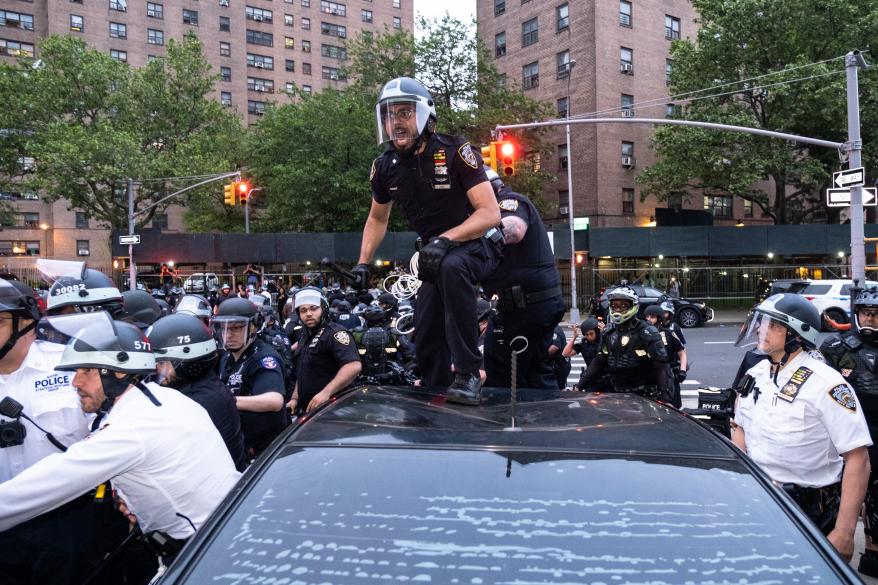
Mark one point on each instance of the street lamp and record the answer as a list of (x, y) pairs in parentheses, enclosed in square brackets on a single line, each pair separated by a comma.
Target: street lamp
[(574, 310), (45, 228)]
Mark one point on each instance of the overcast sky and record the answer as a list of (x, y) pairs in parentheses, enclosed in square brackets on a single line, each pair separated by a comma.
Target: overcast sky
[(461, 9)]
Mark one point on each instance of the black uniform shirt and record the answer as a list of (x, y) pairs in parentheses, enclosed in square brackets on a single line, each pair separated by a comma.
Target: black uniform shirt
[(587, 350), (218, 401), (258, 371), (431, 187), (529, 263), (319, 358)]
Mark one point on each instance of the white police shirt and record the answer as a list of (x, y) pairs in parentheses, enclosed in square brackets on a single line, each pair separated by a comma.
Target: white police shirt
[(49, 399), (798, 429), (168, 463)]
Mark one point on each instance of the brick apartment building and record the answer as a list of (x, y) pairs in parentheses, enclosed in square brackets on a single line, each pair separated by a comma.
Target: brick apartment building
[(621, 50), (260, 48)]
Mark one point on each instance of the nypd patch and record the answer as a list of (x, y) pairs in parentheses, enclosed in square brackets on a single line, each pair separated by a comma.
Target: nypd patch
[(468, 156), (343, 337), (269, 363), (844, 396), (508, 204)]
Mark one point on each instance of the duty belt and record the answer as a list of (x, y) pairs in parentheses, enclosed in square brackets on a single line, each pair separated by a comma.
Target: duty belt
[(515, 299)]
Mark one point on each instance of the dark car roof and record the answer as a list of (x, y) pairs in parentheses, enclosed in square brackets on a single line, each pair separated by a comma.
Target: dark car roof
[(546, 421)]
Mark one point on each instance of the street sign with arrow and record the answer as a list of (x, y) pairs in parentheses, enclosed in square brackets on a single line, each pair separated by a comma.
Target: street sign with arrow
[(849, 178), (128, 240), (842, 197)]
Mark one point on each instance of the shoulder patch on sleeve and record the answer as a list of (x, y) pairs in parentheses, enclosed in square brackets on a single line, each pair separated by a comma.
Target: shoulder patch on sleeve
[(269, 363), (343, 337), (468, 156), (372, 171), (844, 396), (509, 204)]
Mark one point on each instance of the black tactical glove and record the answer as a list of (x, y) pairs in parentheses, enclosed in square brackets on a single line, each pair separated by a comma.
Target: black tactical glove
[(361, 271), (431, 256), (681, 375)]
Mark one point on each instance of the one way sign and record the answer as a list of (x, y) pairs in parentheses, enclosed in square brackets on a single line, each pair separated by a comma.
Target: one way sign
[(842, 197), (849, 178)]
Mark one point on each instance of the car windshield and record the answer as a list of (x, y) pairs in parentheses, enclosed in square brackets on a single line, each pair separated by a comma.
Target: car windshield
[(377, 515), (816, 289)]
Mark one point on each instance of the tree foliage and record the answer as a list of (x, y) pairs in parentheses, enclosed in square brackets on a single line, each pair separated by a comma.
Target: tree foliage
[(91, 122), (777, 66)]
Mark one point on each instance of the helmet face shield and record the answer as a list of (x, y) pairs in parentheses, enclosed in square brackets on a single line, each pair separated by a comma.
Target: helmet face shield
[(763, 333), (93, 340), (401, 120), (232, 331)]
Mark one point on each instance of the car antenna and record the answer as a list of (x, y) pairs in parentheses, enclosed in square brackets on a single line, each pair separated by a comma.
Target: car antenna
[(514, 386)]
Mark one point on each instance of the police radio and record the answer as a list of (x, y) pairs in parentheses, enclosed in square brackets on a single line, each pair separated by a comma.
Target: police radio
[(12, 433)]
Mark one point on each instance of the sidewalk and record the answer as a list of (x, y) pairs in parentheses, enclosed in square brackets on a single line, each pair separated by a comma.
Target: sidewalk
[(720, 317)]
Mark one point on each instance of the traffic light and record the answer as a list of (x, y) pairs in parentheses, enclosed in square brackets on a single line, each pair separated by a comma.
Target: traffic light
[(507, 158), (243, 190), (229, 193), (489, 155)]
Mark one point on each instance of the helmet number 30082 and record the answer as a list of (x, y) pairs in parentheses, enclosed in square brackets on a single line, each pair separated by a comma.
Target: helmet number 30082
[(63, 290)]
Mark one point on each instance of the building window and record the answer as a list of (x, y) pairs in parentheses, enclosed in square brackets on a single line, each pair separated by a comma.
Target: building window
[(625, 13), (397, 22), (366, 15), (530, 32), (562, 17), (627, 105), (672, 110), (290, 65), (155, 37), (82, 248), (332, 73), (306, 3), (259, 84), (258, 14), (562, 64), (289, 43), (225, 73), (562, 157), (306, 68), (226, 98), (289, 20), (76, 23), (500, 44), (563, 202), (81, 221), (119, 55), (718, 205), (563, 107), (333, 52), (499, 7), (16, 48), (530, 74), (119, 5), (190, 17), (397, 4), (11, 19), (29, 220), (306, 46), (333, 30), (669, 69), (627, 201), (225, 24), (17, 248), (291, 87), (675, 201), (225, 49), (256, 108), (306, 89), (255, 37), (628, 155), (224, 3), (154, 10), (748, 208), (672, 27), (333, 8), (160, 221), (626, 60), (306, 23), (118, 30), (260, 61)]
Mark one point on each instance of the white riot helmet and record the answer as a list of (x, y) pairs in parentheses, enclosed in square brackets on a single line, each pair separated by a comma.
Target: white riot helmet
[(193, 304), (392, 115)]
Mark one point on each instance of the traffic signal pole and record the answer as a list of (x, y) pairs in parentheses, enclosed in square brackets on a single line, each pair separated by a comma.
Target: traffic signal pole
[(852, 62)]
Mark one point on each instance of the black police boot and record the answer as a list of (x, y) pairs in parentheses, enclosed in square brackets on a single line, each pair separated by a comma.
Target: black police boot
[(869, 563), (466, 389)]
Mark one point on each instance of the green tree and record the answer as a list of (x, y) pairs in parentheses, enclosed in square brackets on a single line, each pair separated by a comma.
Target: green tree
[(777, 66), (91, 122)]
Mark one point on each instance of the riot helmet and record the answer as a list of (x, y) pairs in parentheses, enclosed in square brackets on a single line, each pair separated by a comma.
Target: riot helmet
[(311, 296), (139, 308), (76, 288), (654, 311), (19, 300), (374, 316), (193, 304), (793, 312), (187, 343), (622, 293), (866, 299), (405, 114), (233, 321)]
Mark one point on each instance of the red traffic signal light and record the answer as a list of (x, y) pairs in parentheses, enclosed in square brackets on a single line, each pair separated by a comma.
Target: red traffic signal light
[(507, 158), (243, 190)]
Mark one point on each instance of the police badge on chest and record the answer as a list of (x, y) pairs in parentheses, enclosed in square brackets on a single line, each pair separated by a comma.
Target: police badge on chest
[(440, 170)]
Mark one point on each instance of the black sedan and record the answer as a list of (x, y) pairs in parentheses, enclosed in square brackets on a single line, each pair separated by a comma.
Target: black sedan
[(689, 313), (388, 485)]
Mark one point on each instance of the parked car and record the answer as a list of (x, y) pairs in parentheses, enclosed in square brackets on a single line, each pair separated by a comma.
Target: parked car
[(783, 285), (689, 313), (201, 282), (832, 298), (392, 485)]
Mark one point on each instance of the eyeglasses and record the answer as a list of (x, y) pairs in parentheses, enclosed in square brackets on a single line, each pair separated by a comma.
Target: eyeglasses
[(404, 114)]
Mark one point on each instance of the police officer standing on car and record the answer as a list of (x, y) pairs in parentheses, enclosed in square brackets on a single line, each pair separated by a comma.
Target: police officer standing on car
[(50, 549), (327, 360), (528, 290), (800, 420), (439, 183), (854, 354), (632, 354), (253, 372)]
